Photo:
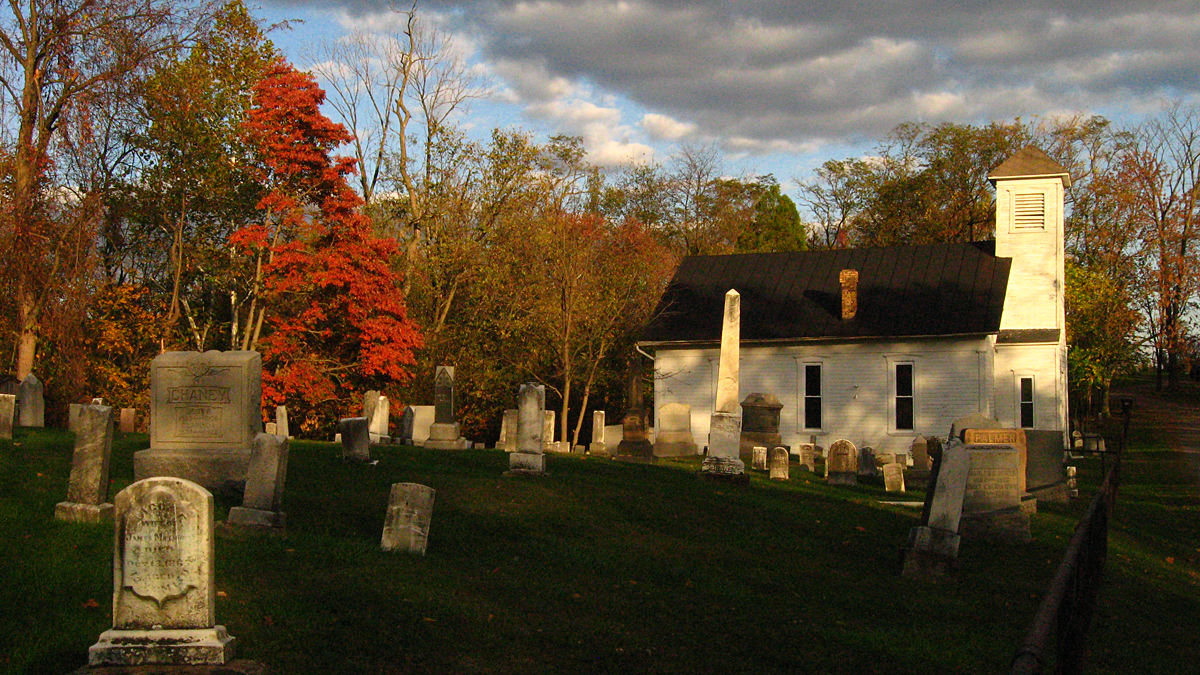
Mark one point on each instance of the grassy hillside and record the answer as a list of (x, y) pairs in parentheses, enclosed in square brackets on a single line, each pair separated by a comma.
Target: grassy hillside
[(603, 567)]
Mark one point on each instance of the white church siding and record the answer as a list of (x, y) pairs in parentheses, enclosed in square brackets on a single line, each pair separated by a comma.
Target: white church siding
[(951, 378), (1040, 362)]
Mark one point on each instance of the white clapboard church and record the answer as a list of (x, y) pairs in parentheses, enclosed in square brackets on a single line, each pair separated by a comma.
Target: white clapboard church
[(879, 345)]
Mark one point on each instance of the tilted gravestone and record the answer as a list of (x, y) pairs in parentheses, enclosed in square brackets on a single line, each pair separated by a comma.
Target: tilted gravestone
[(723, 461), (87, 492), (31, 402), (933, 546), (409, 515), (163, 592), (760, 423), (777, 462), (674, 436), (356, 439), (205, 410), (8, 410), (841, 466), (263, 500), (893, 477), (530, 457), (444, 433), (598, 447)]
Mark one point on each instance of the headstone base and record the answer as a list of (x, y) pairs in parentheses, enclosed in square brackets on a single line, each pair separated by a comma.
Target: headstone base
[(927, 565), (446, 437), (196, 646), (722, 466), (752, 439), (243, 516), (666, 447), (209, 468), (83, 513), (235, 667), (1009, 525), (842, 478), (934, 540), (598, 449), (526, 462), (635, 451)]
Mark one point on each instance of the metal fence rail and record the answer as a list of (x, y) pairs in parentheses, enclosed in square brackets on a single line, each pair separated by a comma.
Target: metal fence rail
[(1066, 609)]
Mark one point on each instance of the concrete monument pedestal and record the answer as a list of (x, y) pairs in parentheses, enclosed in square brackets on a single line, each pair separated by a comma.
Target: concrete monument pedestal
[(446, 436), (167, 646)]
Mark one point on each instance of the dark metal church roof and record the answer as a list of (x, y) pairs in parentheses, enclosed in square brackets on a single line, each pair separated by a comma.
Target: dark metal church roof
[(903, 291)]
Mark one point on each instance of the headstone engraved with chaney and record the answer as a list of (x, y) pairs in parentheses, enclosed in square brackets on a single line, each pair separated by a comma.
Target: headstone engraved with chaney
[(163, 592), (725, 430), (205, 410), (261, 505), (87, 492), (444, 433), (841, 466), (409, 514), (674, 437), (530, 457), (31, 402), (8, 411)]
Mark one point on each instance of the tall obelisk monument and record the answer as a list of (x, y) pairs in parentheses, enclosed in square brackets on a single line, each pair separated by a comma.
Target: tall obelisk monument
[(725, 430)]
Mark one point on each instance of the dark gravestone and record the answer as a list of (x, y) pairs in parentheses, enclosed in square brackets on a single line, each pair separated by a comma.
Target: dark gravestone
[(443, 395), (760, 424), (1045, 475), (635, 443), (406, 425)]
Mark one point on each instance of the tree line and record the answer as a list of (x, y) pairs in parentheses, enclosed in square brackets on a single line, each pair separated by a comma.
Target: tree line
[(171, 182)]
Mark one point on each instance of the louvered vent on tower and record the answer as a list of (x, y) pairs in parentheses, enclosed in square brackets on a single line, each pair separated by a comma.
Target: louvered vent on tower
[(1029, 211)]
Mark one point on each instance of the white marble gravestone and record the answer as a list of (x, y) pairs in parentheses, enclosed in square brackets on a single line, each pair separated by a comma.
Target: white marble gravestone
[(893, 477), (674, 435), (508, 430), (530, 457), (725, 428), (409, 514), (281, 422), (205, 410), (549, 418), (87, 492), (598, 446), (758, 458), (163, 592), (31, 402), (934, 546), (263, 499), (380, 421)]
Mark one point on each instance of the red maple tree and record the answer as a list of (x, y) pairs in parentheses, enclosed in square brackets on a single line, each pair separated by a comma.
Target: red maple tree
[(338, 323)]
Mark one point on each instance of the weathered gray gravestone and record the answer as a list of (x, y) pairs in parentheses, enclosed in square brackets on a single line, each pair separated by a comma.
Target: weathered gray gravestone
[(205, 410), (841, 466), (163, 592), (933, 546), (508, 430), (548, 423), (674, 437), (261, 506), (379, 421), (87, 492), (598, 446), (920, 453), (356, 439), (760, 423), (893, 477), (281, 422), (8, 409), (444, 433), (407, 424), (866, 462), (777, 462), (530, 457), (725, 430), (31, 403), (409, 514), (808, 456)]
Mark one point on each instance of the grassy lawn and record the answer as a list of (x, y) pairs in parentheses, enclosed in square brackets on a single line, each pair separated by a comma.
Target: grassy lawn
[(603, 567)]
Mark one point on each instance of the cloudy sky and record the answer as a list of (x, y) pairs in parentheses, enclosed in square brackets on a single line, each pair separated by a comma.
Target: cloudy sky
[(782, 86)]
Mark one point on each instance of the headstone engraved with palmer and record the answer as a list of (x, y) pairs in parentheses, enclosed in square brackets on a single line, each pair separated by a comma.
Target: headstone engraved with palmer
[(163, 592), (1002, 437), (205, 410), (992, 501)]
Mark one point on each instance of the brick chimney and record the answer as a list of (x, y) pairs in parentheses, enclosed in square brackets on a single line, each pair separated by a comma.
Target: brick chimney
[(849, 280)]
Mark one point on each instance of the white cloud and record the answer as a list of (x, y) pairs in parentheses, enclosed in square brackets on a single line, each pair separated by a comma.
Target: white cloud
[(663, 127)]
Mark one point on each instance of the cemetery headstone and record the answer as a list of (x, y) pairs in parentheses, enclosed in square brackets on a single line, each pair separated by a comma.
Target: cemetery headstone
[(87, 492), (409, 514), (422, 421), (920, 454), (73, 415), (893, 477), (549, 418), (379, 426), (163, 592), (530, 457), (841, 466), (866, 462), (598, 446), (758, 458), (262, 504), (508, 430), (370, 402), (674, 437), (723, 460), (1008, 437), (933, 546), (205, 410), (281, 422), (407, 424), (31, 403), (808, 457), (760, 423), (972, 421), (128, 420), (635, 443), (270, 428), (992, 500), (1045, 473), (444, 433), (778, 463), (356, 439), (8, 410)]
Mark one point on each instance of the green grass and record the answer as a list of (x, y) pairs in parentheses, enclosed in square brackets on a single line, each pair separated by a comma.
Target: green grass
[(603, 567)]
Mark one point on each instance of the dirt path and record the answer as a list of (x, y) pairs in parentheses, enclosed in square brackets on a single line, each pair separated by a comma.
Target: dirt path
[(1177, 419)]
